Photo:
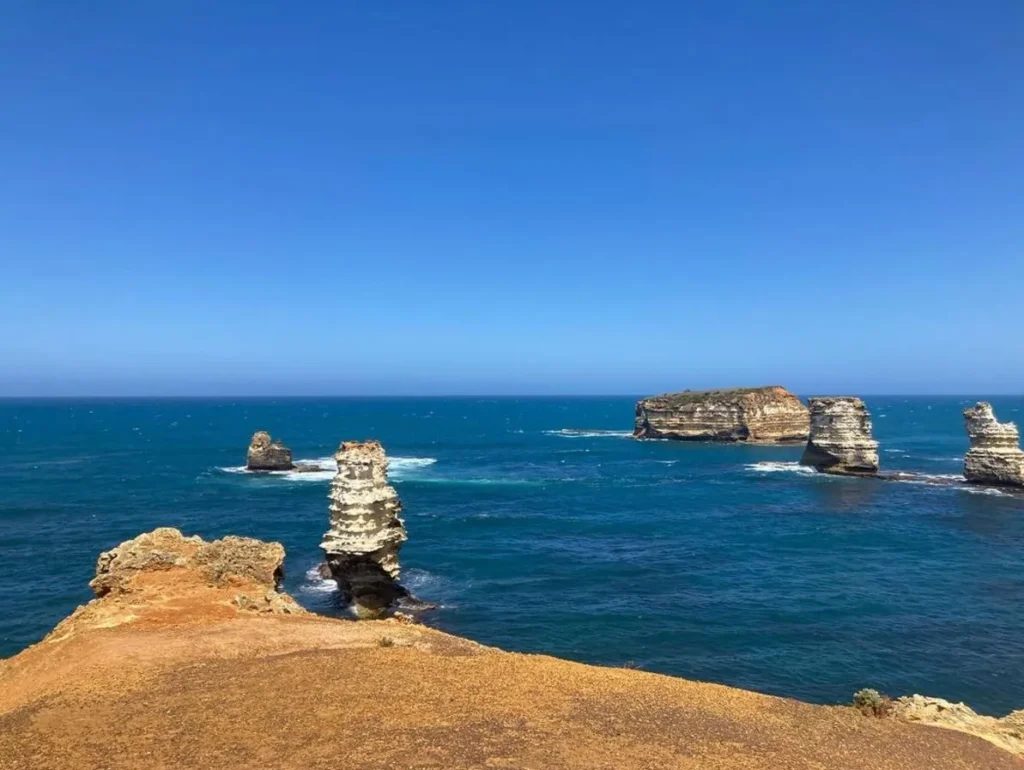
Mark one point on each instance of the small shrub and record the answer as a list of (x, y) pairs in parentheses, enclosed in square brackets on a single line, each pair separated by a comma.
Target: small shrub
[(872, 702), (386, 641)]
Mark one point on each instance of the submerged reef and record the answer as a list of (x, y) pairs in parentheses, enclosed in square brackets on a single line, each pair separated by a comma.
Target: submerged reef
[(765, 415), (366, 532), (840, 440), (265, 454)]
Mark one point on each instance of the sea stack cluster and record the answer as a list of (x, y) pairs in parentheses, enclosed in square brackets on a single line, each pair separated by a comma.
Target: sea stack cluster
[(767, 415), (265, 454), (366, 533), (995, 456), (840, 440)]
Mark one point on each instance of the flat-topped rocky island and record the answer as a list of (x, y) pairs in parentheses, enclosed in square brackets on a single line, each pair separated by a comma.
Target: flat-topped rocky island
[(764, 415)]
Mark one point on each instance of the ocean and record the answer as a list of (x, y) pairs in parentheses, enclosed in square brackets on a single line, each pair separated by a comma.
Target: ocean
[(722, 563)]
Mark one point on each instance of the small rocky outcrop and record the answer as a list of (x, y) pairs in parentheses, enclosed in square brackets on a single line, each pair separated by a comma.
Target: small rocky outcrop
[(1006, 732), (163, 574), (995, 456), (767, 415), (840, 440), (265, 454), (366, 532)]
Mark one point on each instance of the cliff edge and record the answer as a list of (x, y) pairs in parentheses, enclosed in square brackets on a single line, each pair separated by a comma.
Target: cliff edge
[(766, 415), (168, 667)]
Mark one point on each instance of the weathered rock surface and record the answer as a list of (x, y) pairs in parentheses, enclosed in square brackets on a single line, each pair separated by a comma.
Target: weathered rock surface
[(366, 533), (755, 415), (995, 456), (265, 454), (164, 571), (840, 440), (1006, 732)]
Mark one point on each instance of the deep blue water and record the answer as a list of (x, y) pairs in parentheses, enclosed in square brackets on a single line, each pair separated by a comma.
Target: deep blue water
[(721, 563)]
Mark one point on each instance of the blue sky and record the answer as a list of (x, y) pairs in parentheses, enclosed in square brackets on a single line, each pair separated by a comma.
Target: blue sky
[(528, 197)]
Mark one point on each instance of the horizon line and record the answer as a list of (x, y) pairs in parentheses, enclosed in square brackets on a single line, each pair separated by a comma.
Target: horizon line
[(187, 396)]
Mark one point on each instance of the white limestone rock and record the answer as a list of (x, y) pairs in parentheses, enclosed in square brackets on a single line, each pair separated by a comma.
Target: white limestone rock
[(840, 440)]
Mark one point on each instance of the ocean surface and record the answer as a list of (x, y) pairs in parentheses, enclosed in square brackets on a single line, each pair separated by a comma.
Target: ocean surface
[(713, 562)]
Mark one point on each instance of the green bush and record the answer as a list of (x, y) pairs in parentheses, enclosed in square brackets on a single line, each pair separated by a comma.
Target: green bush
[(872, 702)]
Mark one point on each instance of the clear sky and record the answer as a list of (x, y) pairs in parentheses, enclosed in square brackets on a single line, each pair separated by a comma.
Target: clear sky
[(511, 197)]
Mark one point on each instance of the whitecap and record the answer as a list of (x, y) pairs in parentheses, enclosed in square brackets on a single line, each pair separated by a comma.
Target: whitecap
[(991, 491), (771, 466), (587, 433), (896, 451), (667, 462)]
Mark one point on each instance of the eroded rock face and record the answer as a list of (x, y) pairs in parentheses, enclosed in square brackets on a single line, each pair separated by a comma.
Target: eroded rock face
[(1006, 732), (164, 575), (995, 456), (366, 533), (265, 454), (840, 440), (756, 415)]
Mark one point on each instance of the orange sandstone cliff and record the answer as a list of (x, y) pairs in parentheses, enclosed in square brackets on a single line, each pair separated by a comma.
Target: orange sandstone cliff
[(191, 657)]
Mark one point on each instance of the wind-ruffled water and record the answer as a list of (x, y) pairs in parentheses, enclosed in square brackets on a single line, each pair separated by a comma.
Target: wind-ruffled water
[(540, 526)]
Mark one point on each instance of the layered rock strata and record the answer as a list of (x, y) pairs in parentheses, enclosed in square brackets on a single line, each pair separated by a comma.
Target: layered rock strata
[(366, 532), (265, 454), (995, 456), (840, 440), (765, 415)]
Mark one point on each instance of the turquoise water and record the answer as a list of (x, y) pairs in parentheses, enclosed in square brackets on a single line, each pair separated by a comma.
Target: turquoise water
[(721, 563)]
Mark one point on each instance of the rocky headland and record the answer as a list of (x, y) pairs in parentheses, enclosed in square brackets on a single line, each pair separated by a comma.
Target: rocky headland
[(840, 440), (995, 456), (366, 533), (265, 454), (191, 657), (767, 415)]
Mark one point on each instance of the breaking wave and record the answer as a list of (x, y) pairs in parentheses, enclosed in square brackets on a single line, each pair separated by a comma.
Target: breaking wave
[(771, 466), (316, 584), (582, 433), (324, 468)]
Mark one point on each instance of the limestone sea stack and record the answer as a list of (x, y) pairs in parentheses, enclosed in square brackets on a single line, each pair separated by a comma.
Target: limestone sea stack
[(767, 415), (995, 456), (265, 454), (840, 440), (366, 533)]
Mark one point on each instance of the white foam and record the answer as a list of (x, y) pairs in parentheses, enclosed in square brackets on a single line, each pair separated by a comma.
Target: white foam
[(316, 584), (580, 433), (987, 491), (771, 466), (667, 462), (324, 468), (896, 451)]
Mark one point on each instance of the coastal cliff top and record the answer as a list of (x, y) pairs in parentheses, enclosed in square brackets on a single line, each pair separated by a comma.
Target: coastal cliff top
[(193, 680), (723, 395)]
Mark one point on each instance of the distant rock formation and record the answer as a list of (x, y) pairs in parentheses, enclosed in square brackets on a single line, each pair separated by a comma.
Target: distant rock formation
[(840, 440), (265, 454), (366, 533), (767, 415), (995, 456)]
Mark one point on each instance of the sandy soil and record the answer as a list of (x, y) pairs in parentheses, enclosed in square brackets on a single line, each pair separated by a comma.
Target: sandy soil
[(206, 686)]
